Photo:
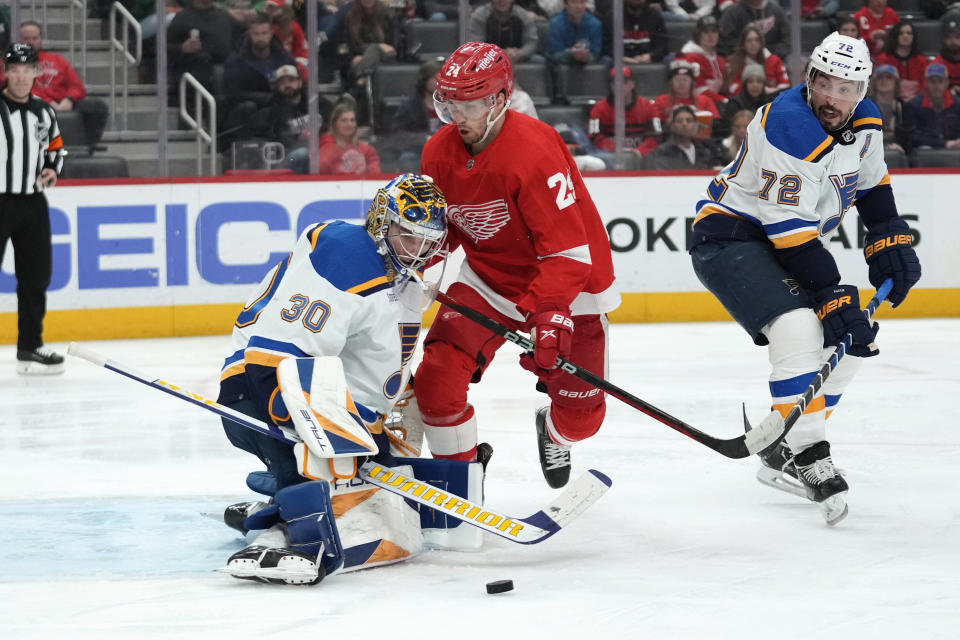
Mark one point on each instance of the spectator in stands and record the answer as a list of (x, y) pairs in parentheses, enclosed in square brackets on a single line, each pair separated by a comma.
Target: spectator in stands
[(849, 27), (286, 119), (641, 127), (885, 91), (575, 38), (765, 16), (510, 27), (341, 151), (371, 33), (950, 49), (414, 121), (702, 51), (933, 118), (58, 84), (681, 150), (738, 131), (818, 9), (199, 36), (4, 27), (751, 97), (288, 32), (751, 49), (683, 10), (875, 18), (644, 34), (248, 73), (579, 147), (903, 54), (681, 76), (521, 102)]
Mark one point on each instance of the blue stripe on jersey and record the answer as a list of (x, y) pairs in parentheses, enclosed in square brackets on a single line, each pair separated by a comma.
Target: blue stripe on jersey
[(250, 314), (345, 256), (791, 386), (372, 290), (792, 127), (233, 358), (276, 345), (788, 225), (831, 401)]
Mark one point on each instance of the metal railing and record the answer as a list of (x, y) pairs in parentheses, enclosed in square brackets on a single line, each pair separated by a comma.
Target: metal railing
[(123, 46), (200, 95), (82, 22)]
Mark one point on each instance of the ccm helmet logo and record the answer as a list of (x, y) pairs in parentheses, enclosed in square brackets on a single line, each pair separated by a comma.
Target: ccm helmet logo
[(842, 65)]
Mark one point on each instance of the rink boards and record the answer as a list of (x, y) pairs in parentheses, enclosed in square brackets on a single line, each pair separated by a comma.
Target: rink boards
[(147, 258)]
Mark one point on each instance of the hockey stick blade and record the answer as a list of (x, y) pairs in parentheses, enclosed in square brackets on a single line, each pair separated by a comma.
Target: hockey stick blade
[(530, 530), (738, 447), (575, 499), (775, 420)]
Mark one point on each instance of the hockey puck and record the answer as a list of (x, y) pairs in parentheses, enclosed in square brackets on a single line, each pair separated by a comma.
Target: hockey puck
[(500, 586)]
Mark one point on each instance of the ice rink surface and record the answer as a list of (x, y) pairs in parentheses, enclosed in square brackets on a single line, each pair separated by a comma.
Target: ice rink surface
[(107, 486)]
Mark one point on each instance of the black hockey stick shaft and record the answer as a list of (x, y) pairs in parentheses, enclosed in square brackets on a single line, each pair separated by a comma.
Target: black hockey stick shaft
[(739, 447)]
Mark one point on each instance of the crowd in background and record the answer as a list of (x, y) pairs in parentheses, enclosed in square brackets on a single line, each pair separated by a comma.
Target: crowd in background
[(252, 55)]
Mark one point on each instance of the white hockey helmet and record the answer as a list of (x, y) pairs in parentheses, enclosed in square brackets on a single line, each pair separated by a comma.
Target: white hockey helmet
[(842, 57)]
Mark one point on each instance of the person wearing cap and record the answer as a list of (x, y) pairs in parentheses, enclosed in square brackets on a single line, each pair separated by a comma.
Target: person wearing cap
[(31, 151), (683, 10), (752, 50), (763, 14), (751, 97), (701, 50), (949, 55), (641, 124), (875, 19), (681, 150), (885, 92), (247, 76), (575, 38), (761, 244), (681, 77), (644, 33), (903, 53), (933, 116)]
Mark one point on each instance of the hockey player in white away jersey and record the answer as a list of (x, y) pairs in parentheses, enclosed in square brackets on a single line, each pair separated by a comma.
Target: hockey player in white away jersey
[(355, 293), (761, 246)]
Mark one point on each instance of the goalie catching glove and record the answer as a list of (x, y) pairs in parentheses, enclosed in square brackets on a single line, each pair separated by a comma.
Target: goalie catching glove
[(889, 253), (552, 337)]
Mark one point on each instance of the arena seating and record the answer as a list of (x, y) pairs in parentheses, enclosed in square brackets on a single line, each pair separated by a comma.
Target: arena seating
[(85, 167)]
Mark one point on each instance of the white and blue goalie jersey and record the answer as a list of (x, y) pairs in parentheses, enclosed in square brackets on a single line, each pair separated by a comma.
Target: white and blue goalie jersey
[(792, 182), (330, 297)]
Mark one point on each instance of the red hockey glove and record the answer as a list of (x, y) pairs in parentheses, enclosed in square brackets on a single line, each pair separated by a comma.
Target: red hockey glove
[(552, 337)]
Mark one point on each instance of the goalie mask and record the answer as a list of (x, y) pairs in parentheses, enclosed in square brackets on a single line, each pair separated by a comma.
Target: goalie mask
[(407, 220)]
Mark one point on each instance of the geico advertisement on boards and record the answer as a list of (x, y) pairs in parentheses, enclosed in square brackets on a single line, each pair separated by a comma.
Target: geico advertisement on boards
[(159, 244)]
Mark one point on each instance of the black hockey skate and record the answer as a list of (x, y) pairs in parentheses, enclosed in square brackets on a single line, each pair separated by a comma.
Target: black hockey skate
[(810, 474), (554, 458), (275, 566), (40, 361)]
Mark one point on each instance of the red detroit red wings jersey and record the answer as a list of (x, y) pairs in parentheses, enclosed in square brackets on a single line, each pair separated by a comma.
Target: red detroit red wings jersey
[(520, 210)]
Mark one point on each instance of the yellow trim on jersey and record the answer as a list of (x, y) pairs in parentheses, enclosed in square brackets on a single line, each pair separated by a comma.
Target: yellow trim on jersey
[(233, 370), (263, 359), (820, 149), (369, 284), (794, 239), (763, 118), (706, 210), (315, 234), (869, 120), (884, 180)]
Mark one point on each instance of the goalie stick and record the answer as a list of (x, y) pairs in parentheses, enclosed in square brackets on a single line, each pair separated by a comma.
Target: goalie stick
[(742, 446), (535, 528), (774, 419)]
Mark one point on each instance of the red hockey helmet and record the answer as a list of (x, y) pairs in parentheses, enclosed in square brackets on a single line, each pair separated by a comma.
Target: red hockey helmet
[(475, 70)]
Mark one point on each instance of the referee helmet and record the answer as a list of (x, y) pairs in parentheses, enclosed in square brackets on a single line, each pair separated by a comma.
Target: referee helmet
[(20, 53)]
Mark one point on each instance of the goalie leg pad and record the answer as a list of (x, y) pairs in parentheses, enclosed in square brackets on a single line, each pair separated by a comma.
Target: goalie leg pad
[(311, 527), (464, 479)]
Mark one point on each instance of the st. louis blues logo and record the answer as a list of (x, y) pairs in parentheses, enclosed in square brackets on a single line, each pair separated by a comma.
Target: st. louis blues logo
[(846, 187)]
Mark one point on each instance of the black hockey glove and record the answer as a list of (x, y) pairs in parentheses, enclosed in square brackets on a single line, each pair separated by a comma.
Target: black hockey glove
[(838, 308), (889, 255)]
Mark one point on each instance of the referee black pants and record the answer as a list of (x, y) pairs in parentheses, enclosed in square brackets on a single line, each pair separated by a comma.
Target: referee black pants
[(25, 220)]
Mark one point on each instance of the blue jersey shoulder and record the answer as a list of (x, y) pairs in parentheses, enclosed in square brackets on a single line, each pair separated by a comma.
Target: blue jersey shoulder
[(867, 115), (791, 126), (346, 256)]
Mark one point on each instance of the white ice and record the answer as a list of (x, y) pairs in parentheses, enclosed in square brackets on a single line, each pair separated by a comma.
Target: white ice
[(105, 483)]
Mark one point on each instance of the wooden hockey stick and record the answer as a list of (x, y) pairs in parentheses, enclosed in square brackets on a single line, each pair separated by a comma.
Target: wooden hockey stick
[(774, 419), (575, 499), (740, 447)]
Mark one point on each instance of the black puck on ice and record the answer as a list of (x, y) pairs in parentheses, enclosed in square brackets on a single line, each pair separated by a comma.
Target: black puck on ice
[(500, 586)]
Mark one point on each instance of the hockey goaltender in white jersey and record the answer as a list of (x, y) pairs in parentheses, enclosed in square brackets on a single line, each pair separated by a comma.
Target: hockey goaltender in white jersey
[(761, 245), (329, 335)]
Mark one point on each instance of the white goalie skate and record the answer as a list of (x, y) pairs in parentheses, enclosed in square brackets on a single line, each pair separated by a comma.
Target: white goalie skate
[(810, 474)]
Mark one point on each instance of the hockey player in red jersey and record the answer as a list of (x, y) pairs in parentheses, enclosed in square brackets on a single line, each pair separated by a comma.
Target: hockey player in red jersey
[(537, 259)]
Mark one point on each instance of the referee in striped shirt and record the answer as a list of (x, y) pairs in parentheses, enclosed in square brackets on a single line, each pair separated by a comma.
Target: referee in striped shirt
[(31, 156)]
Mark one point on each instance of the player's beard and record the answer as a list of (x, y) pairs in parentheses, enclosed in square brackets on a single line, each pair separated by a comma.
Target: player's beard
[(830, 118)]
